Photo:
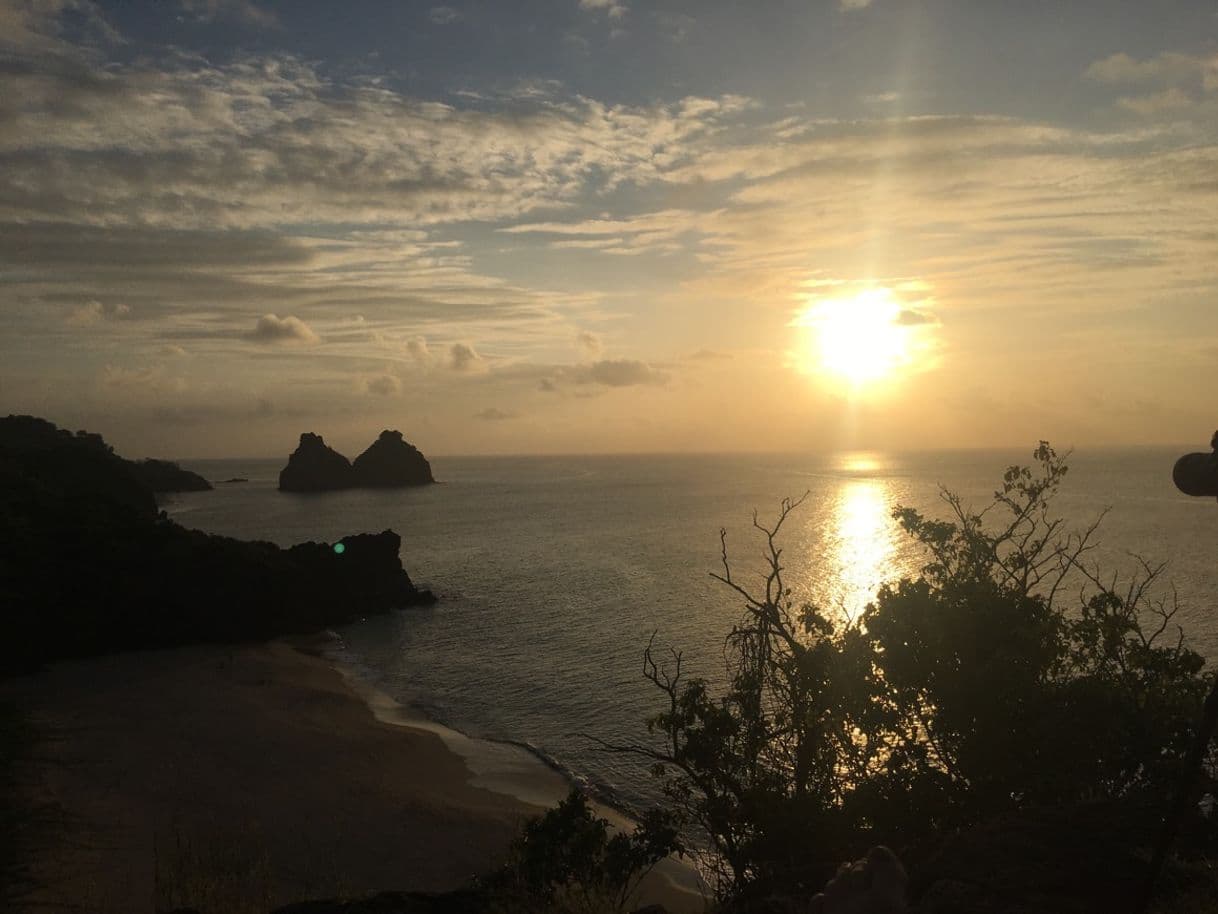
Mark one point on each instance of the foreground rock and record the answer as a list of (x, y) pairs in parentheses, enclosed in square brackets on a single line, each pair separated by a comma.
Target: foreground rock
[(314, 467), (89, 566), (389, 463)]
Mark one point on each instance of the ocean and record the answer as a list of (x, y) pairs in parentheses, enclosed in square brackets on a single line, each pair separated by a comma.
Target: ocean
[(555, 572)]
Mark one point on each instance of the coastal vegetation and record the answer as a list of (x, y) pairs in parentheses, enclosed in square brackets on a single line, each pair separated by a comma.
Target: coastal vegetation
[(1012, 721), (570, 859)]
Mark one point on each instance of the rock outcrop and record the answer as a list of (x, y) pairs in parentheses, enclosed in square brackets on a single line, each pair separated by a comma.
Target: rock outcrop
[(391, 462), (314, 467)]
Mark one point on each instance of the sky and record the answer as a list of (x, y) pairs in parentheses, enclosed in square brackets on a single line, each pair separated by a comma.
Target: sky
[(600, 226)]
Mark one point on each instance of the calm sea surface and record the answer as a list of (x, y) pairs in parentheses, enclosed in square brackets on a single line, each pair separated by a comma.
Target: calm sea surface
[(553, 572)]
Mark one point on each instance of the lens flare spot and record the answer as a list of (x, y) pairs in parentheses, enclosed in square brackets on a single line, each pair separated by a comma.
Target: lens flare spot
[(340, 548)]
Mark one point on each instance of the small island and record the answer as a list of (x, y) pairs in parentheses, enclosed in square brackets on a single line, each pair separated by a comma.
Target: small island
[(390, 462)]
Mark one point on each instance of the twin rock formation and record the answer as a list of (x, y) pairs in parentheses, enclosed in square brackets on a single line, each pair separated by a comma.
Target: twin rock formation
[(388, 464)]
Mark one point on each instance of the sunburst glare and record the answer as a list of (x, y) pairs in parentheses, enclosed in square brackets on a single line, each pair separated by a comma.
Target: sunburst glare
[(859, 341)]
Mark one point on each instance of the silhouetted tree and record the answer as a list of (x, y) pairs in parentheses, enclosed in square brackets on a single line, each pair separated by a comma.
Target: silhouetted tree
[(1009, 676)]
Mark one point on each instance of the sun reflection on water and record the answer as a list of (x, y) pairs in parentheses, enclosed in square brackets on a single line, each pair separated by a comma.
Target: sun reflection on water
[(859, 546)]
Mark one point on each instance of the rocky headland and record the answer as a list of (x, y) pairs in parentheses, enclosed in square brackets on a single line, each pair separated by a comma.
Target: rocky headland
[(389, 462), (166, 476), (89, 565)]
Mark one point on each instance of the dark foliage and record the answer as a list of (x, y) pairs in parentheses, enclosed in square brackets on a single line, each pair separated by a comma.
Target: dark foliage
[(88, 565), (570, 860), (1009, 684)]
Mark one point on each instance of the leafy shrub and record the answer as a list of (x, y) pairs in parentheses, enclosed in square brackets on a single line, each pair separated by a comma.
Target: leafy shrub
[(570, 860)]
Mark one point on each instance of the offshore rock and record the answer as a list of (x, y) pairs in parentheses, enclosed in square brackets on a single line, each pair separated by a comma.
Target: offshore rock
[(314, 467), (391, 462)]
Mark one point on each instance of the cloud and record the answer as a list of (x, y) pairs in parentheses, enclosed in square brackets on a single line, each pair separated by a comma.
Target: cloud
[(288, 331), (1172, 99), (619, 373), (650, 233), (243, 11), (882, 98), (588, 342), (603, 373), (614, 9), (264, 142), (492, 414), (463, 358), (710, 355), (94, 312), (908, 317), (35, 27), (153, 379), (444, 15), (417, 348), (847, 6), (1169, 68), (382, 385)]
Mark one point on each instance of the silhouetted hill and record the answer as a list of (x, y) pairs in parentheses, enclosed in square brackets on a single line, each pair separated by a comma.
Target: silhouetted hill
[(88, 565), (389, 463)]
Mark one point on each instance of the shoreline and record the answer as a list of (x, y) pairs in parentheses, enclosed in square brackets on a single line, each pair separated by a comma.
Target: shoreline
[(518, 771), (256, 775)]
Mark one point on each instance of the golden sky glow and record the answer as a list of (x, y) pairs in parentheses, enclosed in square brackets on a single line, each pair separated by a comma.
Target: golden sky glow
[(530, 227)]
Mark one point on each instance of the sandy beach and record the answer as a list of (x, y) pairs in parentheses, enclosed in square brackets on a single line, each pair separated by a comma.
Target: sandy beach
[(252, 770), (246, 777)]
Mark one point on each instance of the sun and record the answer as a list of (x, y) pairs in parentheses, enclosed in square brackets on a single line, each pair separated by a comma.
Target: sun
[(859, 341)]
